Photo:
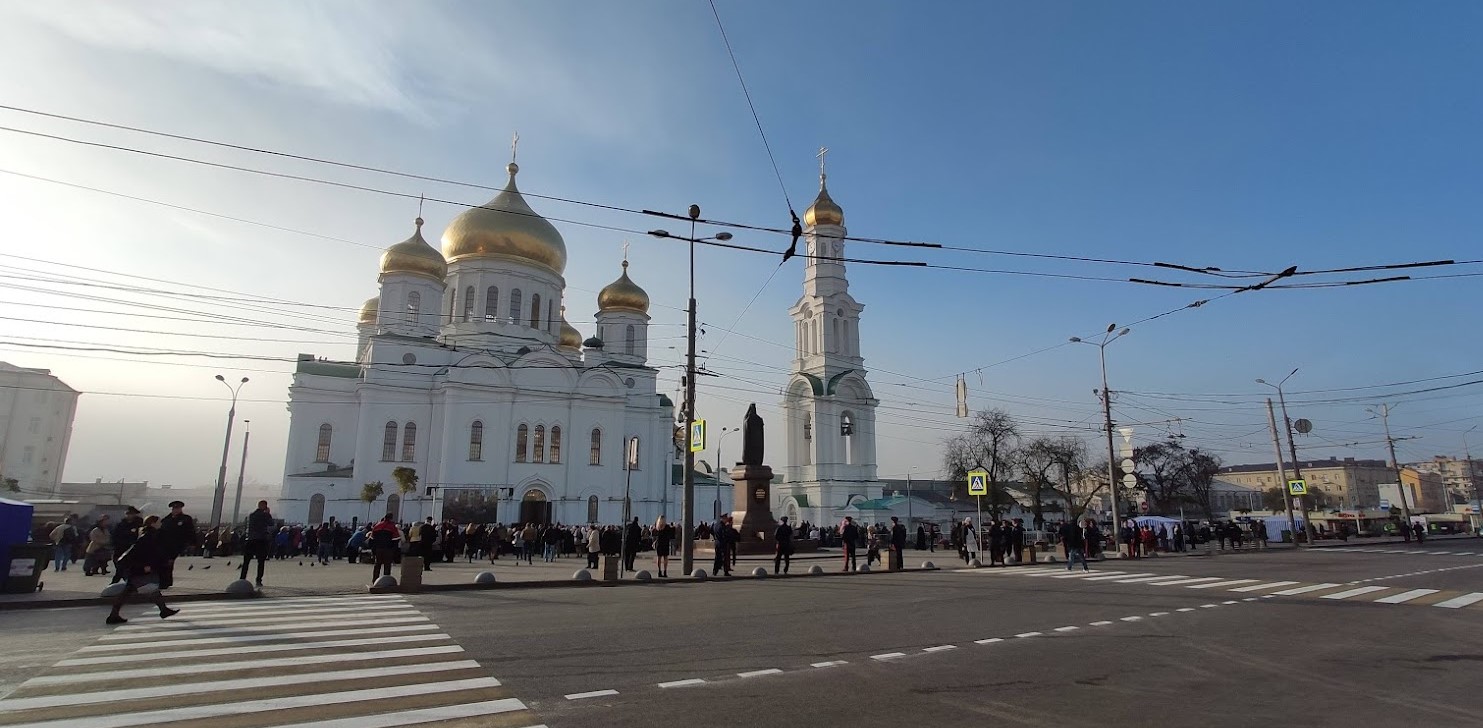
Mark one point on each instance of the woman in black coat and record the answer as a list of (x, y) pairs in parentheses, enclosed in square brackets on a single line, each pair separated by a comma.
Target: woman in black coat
[(140, 567)]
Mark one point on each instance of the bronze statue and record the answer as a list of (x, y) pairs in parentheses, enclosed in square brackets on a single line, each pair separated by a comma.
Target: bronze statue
[(752, 437)]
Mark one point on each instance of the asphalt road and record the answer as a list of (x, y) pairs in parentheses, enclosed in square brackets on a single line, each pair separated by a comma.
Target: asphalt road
[(1241, 639)]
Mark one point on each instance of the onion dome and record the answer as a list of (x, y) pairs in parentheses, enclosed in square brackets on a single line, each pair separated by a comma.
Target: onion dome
[(623, 294), (505, 227), (824, 211), (593, 343), (369, 311), (571, 338), (415, 256)]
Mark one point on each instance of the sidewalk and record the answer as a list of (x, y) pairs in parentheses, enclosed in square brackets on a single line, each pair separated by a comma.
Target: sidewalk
[(199, 578)]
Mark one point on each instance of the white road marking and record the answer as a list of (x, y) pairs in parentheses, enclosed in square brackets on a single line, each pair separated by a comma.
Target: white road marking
[(888, 656), (1068, 628), (682, 683), (422, 715), (1185, 609), (1218, 584), (1158, 614), (940, 648), (760, 673), (250, 683), (1195, 580), (1077, 574), (198, 712), (1105, 575), (988, 641), (1354, 592), (1460, 602), (166, 644), (1303, 590), (1209, 606), (1404, 597), (1132, 619), (1143, 579), (1262, 587), (251, 649), (337, 617), (831, 663), (261, 605), (1102, 623), (1250, 599), (1229, 601), (163, 670), (1028, 634), (591, 694), (120, 636)]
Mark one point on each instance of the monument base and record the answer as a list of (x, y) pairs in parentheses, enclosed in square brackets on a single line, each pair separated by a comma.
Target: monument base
[(757, 548)]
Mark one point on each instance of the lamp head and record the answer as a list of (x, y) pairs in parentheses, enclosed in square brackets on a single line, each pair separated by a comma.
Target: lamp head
[(1076, 339), (244, 380), (1261, 381), (695, 212), (1125, 331), (220, 378), (723, 236), (659, 233), (1111, 328)]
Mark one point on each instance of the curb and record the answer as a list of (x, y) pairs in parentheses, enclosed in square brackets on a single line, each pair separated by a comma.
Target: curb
[(106, 601)]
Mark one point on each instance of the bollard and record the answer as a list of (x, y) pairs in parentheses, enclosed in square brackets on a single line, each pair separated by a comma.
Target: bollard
[(484, 577), (642, 575), (815, 569), (582, 575), (862, 569), (698, 575), (975, 563), (385, 581), (929, 566), (759, 572), (238, 586)]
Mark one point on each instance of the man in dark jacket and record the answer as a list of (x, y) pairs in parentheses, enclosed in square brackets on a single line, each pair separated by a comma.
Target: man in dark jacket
[(1073, 538), (177, 532), (427, 541), (898, 545), (632, 535), (259, 541), (849, 536), (783, 543), (124, 536)]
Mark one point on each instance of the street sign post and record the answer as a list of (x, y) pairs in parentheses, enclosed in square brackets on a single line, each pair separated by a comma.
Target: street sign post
[(978, 486), (1297, 487), (697, 436)]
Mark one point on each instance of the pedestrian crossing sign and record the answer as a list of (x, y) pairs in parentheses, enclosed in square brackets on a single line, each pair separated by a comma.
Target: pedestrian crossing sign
[(1297, 487), (978, 482), (697, 436)]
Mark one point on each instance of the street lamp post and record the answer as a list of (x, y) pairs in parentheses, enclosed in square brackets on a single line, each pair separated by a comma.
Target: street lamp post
[(1108, 338), (241, 472), (1297, 467), (687, 534), (1472, 482), (719, 441), (219, 500)]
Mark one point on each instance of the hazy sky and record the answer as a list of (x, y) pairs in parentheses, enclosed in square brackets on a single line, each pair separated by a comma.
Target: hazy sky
[(1249, 136)]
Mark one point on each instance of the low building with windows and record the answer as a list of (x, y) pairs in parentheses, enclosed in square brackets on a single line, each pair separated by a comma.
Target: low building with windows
[(1348, 483), (468, 373), (1461, 476), (36, 413)]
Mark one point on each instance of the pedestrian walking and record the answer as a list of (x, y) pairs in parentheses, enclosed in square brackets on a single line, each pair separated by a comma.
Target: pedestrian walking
[(99, 550), (177, 537), (970, 541), (664, 538), (427, 541), (898, 546), (782, 538), (141, 565), (849, 536), (124, 536), (594, 546), (64, 539), (259, 538), (531, 537), (1073, 539), (384, 538), (722, 538)]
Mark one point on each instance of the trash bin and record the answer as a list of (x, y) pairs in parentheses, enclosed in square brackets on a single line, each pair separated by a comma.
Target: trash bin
[(609, 568), (27, 562)]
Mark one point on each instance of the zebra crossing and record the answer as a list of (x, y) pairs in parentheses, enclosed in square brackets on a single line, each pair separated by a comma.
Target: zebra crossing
[(371, 661), (1413, 551), (1333, 591)]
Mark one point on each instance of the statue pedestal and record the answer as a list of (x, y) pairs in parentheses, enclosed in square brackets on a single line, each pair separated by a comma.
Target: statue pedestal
[(752, 508)]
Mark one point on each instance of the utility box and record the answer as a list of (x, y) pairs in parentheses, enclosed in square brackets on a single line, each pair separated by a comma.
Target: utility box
[(26, 563), (411, 580), (15, 530), (610, 567)]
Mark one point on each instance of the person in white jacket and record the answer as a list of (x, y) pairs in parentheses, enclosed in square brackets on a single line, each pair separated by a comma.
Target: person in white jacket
[(593, 547), (970, 541)]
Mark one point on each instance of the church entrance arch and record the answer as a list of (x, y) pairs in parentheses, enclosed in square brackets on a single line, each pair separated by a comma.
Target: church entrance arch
[(316, 509), (534, 507)]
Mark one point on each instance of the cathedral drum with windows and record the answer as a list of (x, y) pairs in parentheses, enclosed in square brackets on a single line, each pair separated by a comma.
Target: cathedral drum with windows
[(468, 373)]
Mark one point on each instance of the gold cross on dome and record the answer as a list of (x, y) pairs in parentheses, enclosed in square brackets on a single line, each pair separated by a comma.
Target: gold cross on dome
[(514, 145), (822, 151), (625, 251)]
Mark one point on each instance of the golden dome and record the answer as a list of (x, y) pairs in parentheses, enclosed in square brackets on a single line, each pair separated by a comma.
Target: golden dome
[(571, 338), (414, 255), (623, 294), (824, 211), (369, 311), (505, 227)]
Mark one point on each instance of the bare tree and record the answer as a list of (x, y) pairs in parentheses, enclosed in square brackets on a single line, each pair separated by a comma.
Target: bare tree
[(990, 443), (1045, 463), (1198, 471)]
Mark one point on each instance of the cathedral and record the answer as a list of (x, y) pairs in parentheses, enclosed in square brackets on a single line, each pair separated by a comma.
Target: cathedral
[(469, 378), (827, 404)]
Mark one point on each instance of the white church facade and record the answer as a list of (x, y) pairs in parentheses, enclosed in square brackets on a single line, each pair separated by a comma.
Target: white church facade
[(468, 373), (828, 405)]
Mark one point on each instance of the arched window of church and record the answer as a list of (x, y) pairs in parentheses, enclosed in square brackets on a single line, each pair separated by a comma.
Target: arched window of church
[(631, 454), (468, 304), (535, 310), (630, 339), (388, 442), (521, 433), (515, 301), (847, 431), (491, 304), (394, 505), (595, 458), (409, 442), (476, 440), (592, 509), (538, 450), (551, 316), (316, 508), (555, 444), (322, 451), (414, 306)]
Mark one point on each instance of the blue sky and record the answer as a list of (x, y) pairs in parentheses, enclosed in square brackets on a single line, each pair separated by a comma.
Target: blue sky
[(1240, 135)]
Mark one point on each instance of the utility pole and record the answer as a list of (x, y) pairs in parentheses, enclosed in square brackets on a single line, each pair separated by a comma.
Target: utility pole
[(1472, 482), (1396, 466), (241, 471), (1297, 467), (687, 542), (1292, 526)]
